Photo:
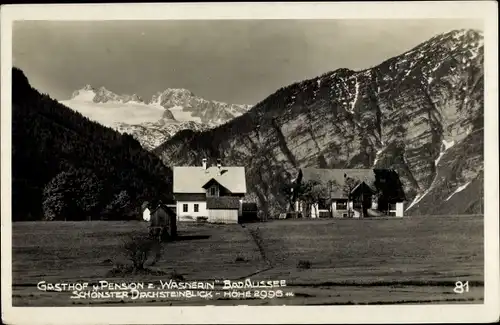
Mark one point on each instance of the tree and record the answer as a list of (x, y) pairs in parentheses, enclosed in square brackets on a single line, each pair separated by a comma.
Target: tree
[(286, 190), (118, 207), (331, 185), (311, 192), (74, 194), (349, 185), (319, 192)]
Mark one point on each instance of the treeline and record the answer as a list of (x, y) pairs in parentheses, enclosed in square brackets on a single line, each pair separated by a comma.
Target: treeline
[(65, 166)]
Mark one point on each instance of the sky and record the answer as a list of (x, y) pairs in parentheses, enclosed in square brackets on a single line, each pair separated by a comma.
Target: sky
[(233, 61)]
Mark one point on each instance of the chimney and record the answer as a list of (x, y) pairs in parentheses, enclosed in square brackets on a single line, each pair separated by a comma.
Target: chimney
[(219, 166), (204, 164)]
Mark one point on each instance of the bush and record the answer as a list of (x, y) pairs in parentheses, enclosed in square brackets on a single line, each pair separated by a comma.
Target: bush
[(201, 219), (303, 264), (138, 248), (240, 259)]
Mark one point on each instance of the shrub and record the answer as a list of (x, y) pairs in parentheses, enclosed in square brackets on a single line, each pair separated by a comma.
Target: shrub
[(240, 259), (303, 264), (201, 219), (138, 248)]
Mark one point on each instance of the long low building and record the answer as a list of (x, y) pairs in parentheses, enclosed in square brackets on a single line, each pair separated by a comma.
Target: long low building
[(349, 193)]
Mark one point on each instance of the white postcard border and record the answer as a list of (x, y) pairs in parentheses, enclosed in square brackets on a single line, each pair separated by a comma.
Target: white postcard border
[(487, 312)]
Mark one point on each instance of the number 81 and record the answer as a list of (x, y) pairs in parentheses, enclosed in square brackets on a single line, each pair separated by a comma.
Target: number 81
[(461, 287)]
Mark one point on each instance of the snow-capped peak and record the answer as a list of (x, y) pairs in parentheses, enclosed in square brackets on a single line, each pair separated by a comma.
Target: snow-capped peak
[(102, 95), (87, 93), (171, 94)]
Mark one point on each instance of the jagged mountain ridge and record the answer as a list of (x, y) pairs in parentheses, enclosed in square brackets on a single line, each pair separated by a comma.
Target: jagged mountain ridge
[(208, 112), (155, 121), (416, 113), (103, 95)]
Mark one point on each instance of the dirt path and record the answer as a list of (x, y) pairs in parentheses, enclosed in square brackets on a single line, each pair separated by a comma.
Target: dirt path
[(257, 239)]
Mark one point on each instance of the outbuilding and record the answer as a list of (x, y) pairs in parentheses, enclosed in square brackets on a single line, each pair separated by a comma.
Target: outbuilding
[(163, 222), (223, 209)]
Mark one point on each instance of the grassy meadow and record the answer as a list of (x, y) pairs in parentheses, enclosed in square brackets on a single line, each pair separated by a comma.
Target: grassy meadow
[(368, 261)]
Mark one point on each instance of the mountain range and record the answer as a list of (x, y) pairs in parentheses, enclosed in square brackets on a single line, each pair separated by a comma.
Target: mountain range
[(420, 113), (155, 121)]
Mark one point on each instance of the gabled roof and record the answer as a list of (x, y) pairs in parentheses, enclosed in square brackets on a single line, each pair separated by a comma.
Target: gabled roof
[(223, 202), (337, 176), (212, 181), (192, 179), (163, 206)]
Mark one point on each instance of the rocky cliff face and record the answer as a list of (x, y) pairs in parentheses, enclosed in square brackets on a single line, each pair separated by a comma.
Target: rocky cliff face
[(420, 113), (152, 134)]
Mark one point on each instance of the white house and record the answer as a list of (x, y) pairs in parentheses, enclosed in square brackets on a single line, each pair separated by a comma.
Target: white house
[(353, 193), (208, 193)]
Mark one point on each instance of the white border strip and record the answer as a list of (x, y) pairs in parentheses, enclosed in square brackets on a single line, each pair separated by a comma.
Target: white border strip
[(488, 312)]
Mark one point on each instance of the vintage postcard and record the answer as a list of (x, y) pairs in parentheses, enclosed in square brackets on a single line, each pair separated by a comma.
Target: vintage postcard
[(250, 163)]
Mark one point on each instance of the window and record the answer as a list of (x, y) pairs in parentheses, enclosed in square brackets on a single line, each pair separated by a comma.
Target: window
[(184, 208), (342, 205), (196, 208), (213, 191)]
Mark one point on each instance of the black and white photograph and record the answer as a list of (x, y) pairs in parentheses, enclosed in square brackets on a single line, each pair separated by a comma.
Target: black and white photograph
[(259, 161)]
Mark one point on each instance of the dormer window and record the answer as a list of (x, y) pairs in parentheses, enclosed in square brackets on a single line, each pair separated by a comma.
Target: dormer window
[(213, 190)]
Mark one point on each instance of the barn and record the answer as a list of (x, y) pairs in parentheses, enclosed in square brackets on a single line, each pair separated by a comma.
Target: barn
[(223, 209)]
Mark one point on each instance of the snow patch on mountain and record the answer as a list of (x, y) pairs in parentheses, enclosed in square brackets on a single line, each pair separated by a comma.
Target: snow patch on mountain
[(446, 145), (356, 93), (377, 155), (110, 113), (459, 189), (86, 94)]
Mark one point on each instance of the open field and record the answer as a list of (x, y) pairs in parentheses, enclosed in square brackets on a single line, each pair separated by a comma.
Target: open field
[(409, 260)]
